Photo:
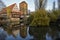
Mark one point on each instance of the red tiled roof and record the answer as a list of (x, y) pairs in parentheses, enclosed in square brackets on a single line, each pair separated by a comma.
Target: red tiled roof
[(10, 7)]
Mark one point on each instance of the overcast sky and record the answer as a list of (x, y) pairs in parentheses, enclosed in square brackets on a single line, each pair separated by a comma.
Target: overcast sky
[(31, 5)]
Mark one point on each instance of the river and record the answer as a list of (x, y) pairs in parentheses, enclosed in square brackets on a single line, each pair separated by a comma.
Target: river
[(14, 36)]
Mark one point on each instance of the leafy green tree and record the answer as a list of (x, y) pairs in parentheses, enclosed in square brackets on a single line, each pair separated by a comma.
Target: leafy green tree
[(8, 11), (30, 18), (54, 16), (40, 18), (39, 24), (41, 21)]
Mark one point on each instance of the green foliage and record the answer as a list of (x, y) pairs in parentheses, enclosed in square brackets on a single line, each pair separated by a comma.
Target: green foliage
[(8, 11), (56, 12), (54, 15), (30, 18), (40, 18)]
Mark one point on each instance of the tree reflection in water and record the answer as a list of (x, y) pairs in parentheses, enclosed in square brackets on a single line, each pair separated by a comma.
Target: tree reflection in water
[(39, 33), (13, 35), (10, 34)]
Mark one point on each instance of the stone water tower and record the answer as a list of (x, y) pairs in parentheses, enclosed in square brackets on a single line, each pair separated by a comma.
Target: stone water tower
[(23, 19)]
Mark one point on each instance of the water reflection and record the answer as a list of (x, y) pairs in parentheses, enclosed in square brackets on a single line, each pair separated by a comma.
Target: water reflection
[(13, 35), (10, 34), (3, 34), (44, 33), (48, 37)]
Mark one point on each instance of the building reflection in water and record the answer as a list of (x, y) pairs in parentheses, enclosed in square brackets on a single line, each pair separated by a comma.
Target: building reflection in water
[(14, 35)]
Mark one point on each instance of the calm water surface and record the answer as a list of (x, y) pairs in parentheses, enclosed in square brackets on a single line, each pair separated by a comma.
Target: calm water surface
[(16, 35), (5, 36)]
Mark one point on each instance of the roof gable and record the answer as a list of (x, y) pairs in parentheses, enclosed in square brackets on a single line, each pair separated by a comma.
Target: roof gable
[(15, 9), (10, 7)]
